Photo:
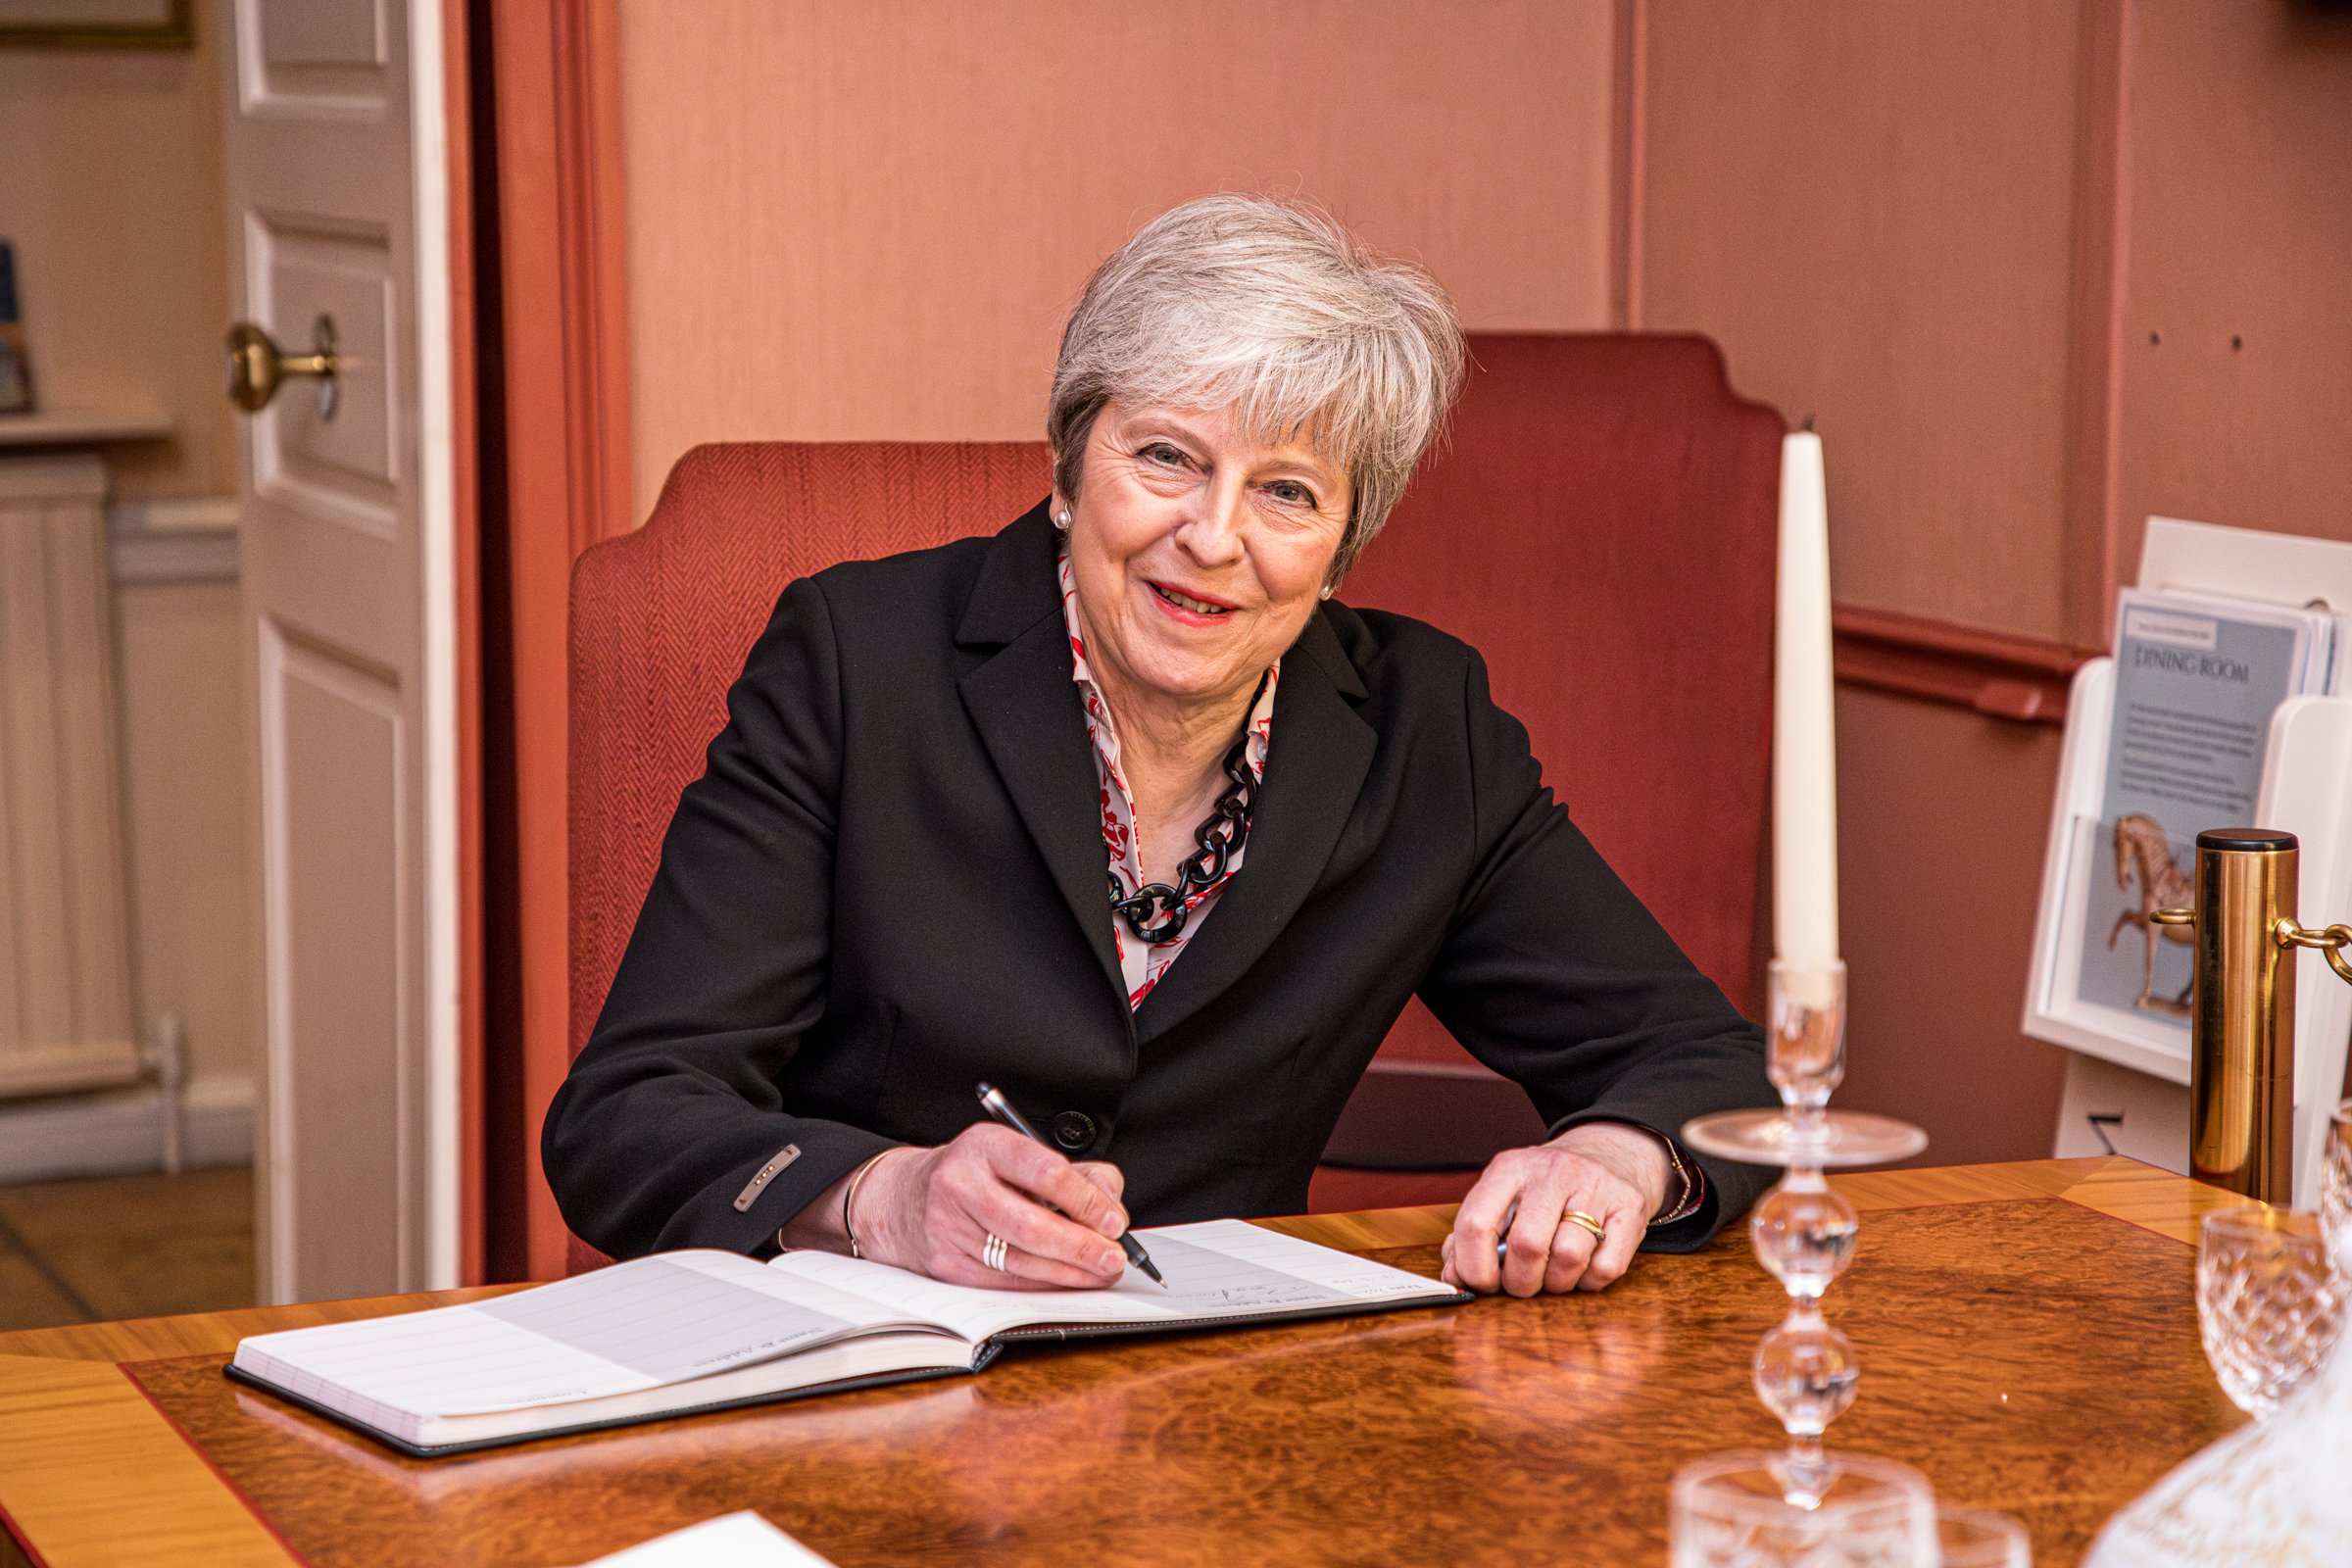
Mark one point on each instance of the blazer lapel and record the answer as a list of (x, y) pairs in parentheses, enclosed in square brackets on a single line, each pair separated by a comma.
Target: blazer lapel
[(1026, 708), (1315, 771)]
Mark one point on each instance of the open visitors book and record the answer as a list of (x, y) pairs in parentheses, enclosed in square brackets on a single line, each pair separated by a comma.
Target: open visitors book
[(691, 1331)]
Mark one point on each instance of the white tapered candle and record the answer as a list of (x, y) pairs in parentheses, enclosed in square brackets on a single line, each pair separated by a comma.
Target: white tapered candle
[(1804, 751)]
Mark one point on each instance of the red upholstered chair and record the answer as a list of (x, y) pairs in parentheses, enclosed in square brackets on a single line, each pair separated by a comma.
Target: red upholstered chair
[(1603, 527), (662, 619)]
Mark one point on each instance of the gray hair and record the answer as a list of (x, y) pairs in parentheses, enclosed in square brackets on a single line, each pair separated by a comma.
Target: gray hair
[(1268, 306)]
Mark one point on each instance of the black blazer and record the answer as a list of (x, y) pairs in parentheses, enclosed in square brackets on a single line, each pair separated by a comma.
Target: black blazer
[(890, 883)]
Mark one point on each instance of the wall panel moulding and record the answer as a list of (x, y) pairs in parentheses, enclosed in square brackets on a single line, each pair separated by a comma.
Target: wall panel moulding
[(1996, 673)]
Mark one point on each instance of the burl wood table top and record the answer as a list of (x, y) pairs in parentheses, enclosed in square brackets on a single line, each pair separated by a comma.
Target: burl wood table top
[(2027, 1336)]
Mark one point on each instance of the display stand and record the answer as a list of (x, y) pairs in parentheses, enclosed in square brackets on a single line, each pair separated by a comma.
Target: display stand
[(2306, 790)]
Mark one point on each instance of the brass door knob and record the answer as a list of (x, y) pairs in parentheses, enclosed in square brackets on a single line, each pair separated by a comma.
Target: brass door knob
[(256, 367)]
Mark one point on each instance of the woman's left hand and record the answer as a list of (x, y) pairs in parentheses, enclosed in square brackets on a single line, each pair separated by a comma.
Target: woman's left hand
[(1614, 1172)]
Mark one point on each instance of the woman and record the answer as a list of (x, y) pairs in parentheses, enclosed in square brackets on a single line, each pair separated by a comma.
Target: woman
[(891, 882)]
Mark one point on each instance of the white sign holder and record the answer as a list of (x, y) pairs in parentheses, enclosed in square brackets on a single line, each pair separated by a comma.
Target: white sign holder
[(2306, 790)]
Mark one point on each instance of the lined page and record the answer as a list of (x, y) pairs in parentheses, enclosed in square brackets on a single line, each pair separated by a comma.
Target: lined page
[(636, 1325), (1222, 1268)]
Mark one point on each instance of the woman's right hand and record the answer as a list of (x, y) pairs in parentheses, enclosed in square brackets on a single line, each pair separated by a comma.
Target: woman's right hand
[(932, 1211)]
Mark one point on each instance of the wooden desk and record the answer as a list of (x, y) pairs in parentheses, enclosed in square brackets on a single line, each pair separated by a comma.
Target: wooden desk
[(2027, 1336)]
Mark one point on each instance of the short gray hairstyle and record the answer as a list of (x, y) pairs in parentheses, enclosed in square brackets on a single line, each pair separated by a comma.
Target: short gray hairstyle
[(1268, 306)]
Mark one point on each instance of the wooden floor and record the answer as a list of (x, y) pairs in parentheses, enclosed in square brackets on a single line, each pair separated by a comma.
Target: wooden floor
[(115, 1246)]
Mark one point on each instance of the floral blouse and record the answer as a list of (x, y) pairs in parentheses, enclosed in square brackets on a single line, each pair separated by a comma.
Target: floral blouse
[(1141, 963)]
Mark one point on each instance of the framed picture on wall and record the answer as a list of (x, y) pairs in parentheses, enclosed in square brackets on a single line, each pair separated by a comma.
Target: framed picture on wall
[(97, 24)]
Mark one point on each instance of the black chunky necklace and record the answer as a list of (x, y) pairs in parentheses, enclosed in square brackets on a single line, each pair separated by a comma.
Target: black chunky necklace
[(1158, 912)]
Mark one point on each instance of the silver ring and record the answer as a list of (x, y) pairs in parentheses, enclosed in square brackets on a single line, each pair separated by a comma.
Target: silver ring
[(993, 1254)]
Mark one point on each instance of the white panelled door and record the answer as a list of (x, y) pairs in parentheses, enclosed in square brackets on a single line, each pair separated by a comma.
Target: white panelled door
[(339, 254)]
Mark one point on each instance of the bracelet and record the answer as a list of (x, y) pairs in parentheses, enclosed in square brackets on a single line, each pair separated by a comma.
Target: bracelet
[(848, 1195), (1694, 1191)]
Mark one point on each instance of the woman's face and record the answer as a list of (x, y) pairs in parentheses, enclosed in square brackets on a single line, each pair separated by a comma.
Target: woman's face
[(1197, 551)]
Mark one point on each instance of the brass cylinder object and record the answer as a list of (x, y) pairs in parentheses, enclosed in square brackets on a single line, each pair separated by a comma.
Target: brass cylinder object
[(2241, 1082)]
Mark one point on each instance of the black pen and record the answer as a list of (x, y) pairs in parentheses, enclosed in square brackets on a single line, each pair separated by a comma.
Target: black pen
[(998, 1109)]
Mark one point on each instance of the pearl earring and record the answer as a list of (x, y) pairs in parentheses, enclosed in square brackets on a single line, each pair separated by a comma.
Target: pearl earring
[(1061, 519), (1326, 591)]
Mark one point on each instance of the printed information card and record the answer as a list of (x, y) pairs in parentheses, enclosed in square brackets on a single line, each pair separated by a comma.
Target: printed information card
[(2197, 682)]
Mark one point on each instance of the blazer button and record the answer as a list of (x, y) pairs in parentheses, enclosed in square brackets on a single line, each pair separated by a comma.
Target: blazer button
[(1073, 1130)]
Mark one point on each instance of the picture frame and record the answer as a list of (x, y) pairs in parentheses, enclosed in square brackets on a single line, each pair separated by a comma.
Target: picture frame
[(97, 24)]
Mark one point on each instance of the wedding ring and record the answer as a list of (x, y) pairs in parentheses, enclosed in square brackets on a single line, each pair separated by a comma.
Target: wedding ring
[(1574, 1216), (992, 1255)]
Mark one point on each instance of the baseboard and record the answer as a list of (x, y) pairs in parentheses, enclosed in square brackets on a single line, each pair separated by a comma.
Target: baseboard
[(183, 541), (120, 1132)]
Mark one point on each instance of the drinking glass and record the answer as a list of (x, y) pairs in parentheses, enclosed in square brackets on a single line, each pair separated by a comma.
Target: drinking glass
[(1733, 1511), (2336, 1188), (1978, 1537), (2269, 1304)]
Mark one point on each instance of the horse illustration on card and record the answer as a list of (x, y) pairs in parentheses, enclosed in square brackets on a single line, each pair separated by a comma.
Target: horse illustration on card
[(2143, 855)]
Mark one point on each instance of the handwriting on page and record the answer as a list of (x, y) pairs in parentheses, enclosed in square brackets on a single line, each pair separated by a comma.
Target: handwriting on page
[(1328, 1275), (1226, 1268), (1203, 1283)]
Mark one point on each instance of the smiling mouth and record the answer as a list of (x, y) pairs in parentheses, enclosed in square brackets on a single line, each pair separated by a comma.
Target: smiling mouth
[(1184, 601)]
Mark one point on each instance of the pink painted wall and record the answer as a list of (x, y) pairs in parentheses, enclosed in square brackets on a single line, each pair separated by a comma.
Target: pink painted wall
[(2239, 227), (856, 220), (1868, 206)]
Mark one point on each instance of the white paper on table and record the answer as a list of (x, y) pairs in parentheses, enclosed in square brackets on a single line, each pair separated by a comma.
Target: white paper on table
[(731, 1540)]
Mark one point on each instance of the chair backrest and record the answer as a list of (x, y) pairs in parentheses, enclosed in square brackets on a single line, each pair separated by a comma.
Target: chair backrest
[(663, 618), (1602, 525)]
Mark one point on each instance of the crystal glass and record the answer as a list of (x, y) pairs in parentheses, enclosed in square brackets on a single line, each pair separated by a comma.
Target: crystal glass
[(1978, 1537), (1733, 1511), (2270, 1304), (2336, 1188), (1804, 1055)]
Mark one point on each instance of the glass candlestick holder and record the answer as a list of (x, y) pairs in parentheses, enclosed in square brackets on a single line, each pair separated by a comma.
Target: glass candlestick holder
[(1804, 1229), (1804, 1055)]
